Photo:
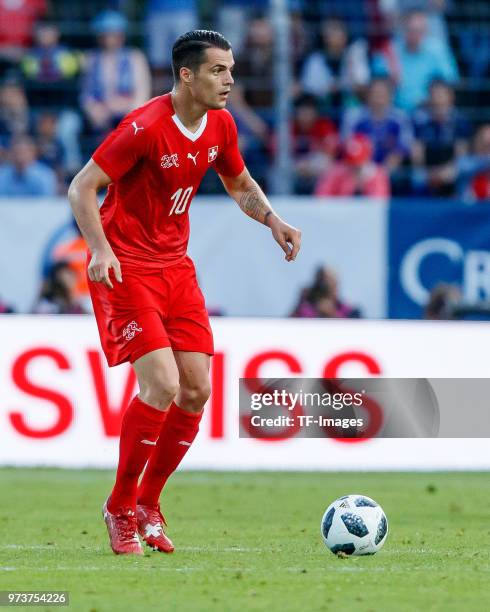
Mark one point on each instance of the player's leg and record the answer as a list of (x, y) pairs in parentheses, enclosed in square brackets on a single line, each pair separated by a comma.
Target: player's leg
[(177, 435), (189, 332), (158, 380), (181, 425), (190, 335), (131, 329), (194, 387)]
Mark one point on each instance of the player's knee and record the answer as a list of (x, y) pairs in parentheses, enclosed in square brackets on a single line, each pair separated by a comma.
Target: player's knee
[(168, 389), (194, 397), (160, 391)]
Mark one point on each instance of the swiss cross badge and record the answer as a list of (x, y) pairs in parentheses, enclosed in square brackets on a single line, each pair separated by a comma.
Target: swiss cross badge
[(212, 154)]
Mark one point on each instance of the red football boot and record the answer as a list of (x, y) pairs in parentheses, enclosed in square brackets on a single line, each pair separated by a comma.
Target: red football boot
[(123, 531), (151, 527)]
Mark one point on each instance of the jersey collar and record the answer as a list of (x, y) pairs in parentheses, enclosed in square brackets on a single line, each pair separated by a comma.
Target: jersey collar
[(187, 133)]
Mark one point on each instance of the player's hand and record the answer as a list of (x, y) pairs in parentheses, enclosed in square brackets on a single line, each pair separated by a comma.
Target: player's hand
[(100, 265), (287, 236)]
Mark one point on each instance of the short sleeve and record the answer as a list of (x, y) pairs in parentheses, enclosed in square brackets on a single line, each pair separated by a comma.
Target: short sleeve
[(123, 148), (229, 161)]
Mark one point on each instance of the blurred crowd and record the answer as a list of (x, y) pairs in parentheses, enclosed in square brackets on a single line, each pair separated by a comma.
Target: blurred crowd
[(390, 97), (322, 300)]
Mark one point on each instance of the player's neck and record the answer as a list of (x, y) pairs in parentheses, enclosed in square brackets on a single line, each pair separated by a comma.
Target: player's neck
[(187, 110)]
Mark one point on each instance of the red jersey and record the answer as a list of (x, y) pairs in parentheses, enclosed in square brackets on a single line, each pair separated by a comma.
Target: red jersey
[(17, 21), (156, 165)]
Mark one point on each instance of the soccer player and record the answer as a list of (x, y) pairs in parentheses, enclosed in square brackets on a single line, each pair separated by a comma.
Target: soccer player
[(147, 303)]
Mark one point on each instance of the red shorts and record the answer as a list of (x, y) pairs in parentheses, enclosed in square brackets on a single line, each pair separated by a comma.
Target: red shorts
[(151, 309)]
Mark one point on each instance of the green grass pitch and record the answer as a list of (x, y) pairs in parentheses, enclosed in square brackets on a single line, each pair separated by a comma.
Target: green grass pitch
[(251, 541)]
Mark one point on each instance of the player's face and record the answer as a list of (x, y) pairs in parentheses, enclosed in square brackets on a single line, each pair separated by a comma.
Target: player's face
[(212, 82)]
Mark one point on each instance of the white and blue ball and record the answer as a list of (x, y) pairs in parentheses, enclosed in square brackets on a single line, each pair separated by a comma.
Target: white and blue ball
[(354, 525)]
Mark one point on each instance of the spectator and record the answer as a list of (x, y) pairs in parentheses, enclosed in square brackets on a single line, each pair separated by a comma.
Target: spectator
[(442, 134), (444, 299), (50, 69), (165, 21), (15, 117), (354, 13), (73, 252), (51, 72), (49, 146), (322, 299), (480, 187), (420, 61), (306, 306), (437, 32), (300, 43), (57, 292), (233, 16), (474, 50), (474, 169), (356, 174), (24, 176), (337, 70), (117, 78), (255, 65), (383, 57), (253, 134), (388, 128), (5, 308), (16, 23), (446, 303), (315, 142)]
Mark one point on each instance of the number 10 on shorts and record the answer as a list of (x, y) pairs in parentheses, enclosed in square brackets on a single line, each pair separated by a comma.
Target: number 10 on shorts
[(180, 200)]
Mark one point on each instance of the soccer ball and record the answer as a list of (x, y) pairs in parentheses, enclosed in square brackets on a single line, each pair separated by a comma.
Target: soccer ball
[(354, 525)]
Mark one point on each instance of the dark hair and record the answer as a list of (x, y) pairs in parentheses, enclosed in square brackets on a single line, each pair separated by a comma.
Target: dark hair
[(189, 49), (440, 82), (441, 302), (44, 22), (53, 288), (306, 99)]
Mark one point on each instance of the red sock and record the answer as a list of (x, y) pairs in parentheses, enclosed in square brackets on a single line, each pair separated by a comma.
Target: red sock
[(141, 424), (177, 435)]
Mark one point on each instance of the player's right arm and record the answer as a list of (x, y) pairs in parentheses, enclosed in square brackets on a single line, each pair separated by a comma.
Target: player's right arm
[(82, 195)]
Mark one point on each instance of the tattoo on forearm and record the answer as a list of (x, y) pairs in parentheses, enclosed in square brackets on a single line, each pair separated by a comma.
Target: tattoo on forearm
[(254, 204)]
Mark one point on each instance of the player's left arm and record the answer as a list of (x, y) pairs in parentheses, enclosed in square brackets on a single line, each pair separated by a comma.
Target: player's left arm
[(254, 203)]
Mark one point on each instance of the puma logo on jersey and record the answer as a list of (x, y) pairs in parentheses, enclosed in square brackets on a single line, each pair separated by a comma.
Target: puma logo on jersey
[(193, 157), (136, 127), (212, 154), (167, 161), (130, 331)]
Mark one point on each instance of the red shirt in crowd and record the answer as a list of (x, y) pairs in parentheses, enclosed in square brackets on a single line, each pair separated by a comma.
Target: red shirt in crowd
[(320, 136), (480, 187), (17, 18), (344, 179)]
